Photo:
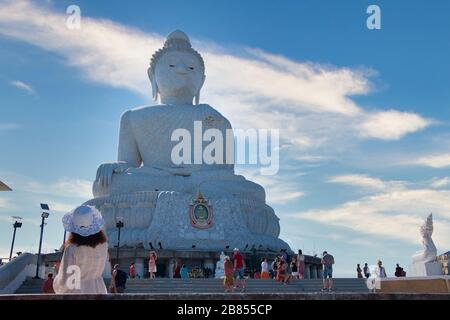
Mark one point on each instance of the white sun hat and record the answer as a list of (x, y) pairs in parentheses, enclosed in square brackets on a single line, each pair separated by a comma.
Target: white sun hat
[(83, 220)]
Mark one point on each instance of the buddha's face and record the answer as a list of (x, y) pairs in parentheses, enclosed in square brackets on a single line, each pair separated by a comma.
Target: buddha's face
[(179, 74)]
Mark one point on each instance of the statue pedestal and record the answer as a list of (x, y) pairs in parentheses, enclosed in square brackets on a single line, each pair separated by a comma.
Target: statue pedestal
[(425, 269)]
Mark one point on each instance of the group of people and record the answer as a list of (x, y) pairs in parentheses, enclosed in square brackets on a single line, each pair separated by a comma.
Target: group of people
[(378, 272), (86, 254)]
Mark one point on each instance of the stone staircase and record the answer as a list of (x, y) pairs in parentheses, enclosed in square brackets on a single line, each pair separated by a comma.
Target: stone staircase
[(164, 285)]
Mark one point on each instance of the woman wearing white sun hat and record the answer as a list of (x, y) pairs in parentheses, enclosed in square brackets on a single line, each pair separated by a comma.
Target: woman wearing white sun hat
[(85, 253)]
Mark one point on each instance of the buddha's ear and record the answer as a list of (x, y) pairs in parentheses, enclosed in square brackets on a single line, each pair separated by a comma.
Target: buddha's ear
[(197, 96), (155, 90)]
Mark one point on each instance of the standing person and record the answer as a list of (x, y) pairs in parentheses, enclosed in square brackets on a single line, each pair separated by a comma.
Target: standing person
[(399, 271), (380, 271), (359, 271), (86, 251), (176, 270), (118, 280), (366, 271), (152, 264), (48, 284), (264, 269), (301, 265), (132, 271), (327, 261), (238, 261), (294, 268), (228, 281), (184, 272), (282, 272)]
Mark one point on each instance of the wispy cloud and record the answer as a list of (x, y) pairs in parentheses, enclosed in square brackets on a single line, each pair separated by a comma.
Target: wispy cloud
[(311, 103), (392, 124), (393, 214), (23, 86), (367, 182), (438, 183), (437, 161), (9, 126)]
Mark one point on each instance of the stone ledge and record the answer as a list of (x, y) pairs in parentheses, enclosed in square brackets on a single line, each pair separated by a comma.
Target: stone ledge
[(233, 296)]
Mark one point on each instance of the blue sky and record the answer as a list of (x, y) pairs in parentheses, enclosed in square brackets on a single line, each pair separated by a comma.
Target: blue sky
[(364, 114)]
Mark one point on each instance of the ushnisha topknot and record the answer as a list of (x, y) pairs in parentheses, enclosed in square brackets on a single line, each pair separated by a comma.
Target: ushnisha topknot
[(177, 41)]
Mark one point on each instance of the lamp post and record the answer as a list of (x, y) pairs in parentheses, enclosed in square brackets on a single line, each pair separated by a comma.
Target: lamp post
[(119, 225), (44, 216), (17, 224)]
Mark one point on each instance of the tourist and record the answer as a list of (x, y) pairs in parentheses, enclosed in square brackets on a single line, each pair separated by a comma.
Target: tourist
[(152, 264), (184, 272), (176, 269), (47, 288), (86, 250), (327, 261), (132, 271), (238, 261), (366, 271), (264, 269), (274, 266), (380, 271), (1, 262), (301, 265), (399, 272), (118, 280), (283, 275), (228, 281), (359, 271), (294, 268)]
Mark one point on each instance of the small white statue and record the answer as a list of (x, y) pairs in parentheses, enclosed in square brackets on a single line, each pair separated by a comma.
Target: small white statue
[(425, 261), (220, 272)]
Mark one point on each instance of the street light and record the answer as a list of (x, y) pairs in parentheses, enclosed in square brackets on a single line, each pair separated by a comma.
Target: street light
[(44, 216), (119, 225), (17, 224)]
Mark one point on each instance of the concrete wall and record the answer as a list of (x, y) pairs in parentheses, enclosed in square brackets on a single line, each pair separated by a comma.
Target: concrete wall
[(14, 273)]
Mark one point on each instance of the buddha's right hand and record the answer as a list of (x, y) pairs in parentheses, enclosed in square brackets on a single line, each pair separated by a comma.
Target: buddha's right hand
[(106, 170)]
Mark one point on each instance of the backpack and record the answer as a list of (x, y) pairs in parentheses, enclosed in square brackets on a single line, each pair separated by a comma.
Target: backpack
[(121, 278)]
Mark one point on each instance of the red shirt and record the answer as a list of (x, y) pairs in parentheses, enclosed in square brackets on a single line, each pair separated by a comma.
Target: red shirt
[(132, 271), (237, 257)]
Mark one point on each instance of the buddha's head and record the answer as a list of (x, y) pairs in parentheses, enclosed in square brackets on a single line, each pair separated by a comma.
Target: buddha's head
[(177, 71)]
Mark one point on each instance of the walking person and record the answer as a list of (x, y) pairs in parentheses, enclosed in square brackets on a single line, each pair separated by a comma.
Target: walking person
[(176, 270), (327, 261), (301, 265), (359, 271), (238, 262), (118, 280), (86, 252), (264, 269), (152, 264), (366, 271), (228, 281)]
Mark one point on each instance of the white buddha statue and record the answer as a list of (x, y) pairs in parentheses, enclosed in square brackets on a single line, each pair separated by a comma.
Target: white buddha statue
[(219, 273), (177, 74), (152, 193)]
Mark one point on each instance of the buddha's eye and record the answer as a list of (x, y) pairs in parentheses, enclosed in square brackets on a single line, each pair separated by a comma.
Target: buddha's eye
[(171, 65), (192, 68)]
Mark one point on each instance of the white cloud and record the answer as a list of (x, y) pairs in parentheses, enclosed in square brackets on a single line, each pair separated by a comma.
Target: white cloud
[(367, 182), (391, 215), (392, 124), (23, 86), (3, 203), (436, 161), (9, 126), (311, 103), (278, 189), (438, 183)]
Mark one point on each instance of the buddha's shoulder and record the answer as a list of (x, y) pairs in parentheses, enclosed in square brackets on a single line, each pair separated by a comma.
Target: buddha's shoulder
[(159, 110)]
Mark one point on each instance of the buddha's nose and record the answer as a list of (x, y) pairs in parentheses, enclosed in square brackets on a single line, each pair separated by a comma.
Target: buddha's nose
[(181, 68)]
